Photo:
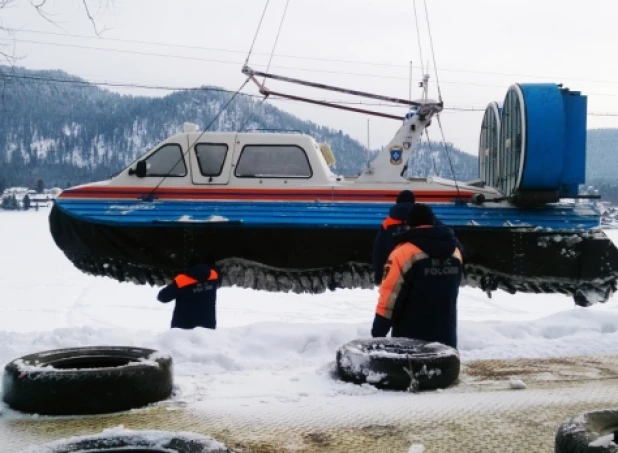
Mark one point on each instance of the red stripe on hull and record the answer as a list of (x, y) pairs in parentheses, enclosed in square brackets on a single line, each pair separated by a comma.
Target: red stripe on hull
[(257, 194)]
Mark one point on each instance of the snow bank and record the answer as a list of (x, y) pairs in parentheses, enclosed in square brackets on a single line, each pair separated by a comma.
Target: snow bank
[(267, 346), (264, 346), (284, 346), (294, 361), (574, 331)]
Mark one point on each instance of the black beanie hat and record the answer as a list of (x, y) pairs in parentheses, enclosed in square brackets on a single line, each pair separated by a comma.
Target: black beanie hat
[(406, 196), (420, 214), (194, 259)]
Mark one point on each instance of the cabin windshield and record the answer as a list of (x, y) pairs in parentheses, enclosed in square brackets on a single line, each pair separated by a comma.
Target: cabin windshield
[(166, 161)]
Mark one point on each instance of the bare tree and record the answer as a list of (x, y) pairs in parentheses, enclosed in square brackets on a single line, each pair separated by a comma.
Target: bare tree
[(8, 51), (40, 5)]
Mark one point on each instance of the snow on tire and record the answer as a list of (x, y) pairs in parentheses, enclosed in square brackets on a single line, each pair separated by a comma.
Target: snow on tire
[(398, 363), (118, 439), (590, 432), (88, 380)]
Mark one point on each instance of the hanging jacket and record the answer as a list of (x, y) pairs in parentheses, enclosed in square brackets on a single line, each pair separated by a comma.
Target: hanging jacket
[(418, 296), (195, 291)]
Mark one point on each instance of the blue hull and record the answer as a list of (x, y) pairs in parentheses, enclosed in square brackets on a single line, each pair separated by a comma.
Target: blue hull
[(319, 214)]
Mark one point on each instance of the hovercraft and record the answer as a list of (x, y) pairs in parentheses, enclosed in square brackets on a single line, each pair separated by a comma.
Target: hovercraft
[(268, 209)]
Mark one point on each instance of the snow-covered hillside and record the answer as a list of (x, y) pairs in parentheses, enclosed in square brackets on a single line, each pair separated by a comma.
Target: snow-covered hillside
[(59, 129)]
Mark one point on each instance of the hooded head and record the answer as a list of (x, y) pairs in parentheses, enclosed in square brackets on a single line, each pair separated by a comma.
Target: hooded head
[(438, 241), (194, 259), (420, 214), (406, 196)]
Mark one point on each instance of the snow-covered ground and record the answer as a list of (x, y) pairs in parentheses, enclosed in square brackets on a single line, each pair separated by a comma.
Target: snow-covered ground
[(267, 346)]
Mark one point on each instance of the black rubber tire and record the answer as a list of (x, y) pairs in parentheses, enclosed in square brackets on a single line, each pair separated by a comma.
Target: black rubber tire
[(575, 434), (382, 362), (143, 441), (89, 380)]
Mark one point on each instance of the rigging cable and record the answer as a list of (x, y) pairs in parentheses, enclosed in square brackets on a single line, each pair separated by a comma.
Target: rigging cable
[(418, 38), (435, 66), (433, 54), (272, 54), (242, 128), (433, 158), (199, 136), (182, 157), (448, 155), (257, 32)]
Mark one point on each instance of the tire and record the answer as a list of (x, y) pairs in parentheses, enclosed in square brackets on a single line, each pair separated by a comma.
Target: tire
[(382, 362), (143, 441), (576, 434), (90, 380)]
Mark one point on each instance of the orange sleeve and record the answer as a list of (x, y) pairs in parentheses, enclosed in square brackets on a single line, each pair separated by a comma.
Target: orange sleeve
[(183, 280), (398, 263), (388, 292)]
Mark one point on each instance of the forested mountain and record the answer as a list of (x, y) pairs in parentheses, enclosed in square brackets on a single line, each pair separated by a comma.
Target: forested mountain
[(432, 159), (602, 165), (67, 131)]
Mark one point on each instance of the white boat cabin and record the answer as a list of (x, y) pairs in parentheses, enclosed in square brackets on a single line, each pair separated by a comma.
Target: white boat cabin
[(230, 158), (260, 160)]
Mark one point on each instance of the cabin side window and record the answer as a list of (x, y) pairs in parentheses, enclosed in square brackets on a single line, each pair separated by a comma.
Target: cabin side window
[(210, 158), (166, 161), (273, 161)]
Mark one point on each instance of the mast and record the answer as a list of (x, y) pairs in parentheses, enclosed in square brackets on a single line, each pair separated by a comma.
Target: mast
[(388, 165)]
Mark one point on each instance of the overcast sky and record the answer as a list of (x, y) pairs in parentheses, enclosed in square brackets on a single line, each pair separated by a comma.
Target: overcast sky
[(481, 48)]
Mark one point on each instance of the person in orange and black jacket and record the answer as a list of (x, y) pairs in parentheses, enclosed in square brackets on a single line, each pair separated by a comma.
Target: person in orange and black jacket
[(394, 224), (383, 243), (419, 291), (195, 291)]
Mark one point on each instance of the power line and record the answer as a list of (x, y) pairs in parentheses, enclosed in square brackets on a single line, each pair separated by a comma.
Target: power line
[(87, 83), (239, 63), (235, 63), (297, 57), (116, 84)]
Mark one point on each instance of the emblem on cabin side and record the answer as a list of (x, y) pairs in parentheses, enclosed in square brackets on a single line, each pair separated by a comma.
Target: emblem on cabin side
[(396, 153)]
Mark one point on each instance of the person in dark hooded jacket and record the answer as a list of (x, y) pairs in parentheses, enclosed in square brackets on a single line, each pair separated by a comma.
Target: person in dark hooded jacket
[(394, 224), (418, 295), (195, 291), (383, 243)]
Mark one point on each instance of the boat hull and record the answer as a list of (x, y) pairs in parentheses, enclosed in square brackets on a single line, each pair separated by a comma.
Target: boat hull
[(313, 252)]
